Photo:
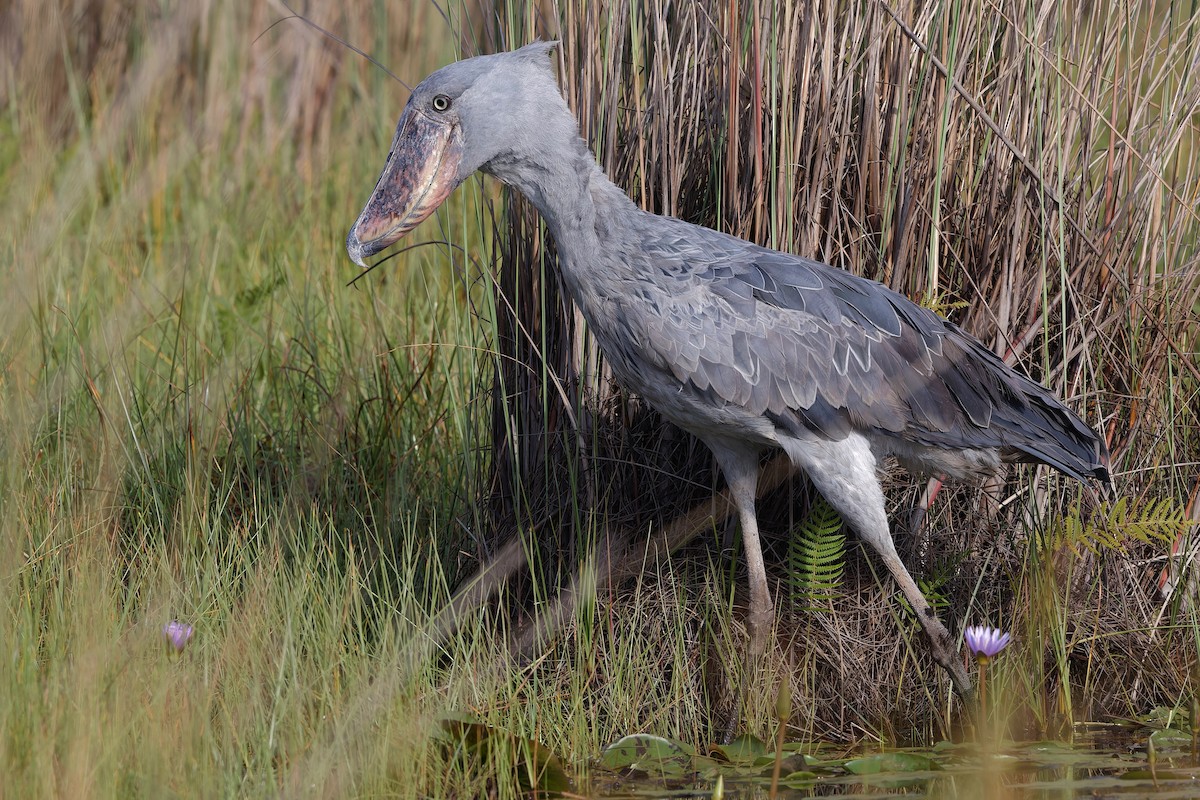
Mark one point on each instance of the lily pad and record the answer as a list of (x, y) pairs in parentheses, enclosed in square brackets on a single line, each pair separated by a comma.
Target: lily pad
[(800, 780), (644, 752), (1171, 739), (742, 750), (891, 762), (790, 764)]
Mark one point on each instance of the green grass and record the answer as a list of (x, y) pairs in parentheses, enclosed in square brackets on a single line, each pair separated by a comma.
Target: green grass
[(202, 421)]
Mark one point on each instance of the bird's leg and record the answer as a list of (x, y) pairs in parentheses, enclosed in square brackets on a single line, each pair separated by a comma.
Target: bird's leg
[(940, 642), (740, 467), (844, 472), (762, 610)]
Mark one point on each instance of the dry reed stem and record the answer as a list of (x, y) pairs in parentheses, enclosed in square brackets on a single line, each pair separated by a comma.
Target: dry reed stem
[(1027, 154)]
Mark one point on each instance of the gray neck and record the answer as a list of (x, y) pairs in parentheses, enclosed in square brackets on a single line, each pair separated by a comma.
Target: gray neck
[(578, 202)]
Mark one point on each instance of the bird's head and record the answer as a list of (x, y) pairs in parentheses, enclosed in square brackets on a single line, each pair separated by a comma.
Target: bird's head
[(466, 116)]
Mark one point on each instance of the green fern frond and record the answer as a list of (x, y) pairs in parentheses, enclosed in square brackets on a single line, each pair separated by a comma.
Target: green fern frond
[(1158, 522), (816, 557), (934, 588)]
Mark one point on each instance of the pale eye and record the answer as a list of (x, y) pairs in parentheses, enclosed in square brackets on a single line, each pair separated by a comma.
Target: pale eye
[(441, 102)]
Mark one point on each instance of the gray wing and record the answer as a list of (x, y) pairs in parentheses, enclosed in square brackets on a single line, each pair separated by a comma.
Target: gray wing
[(814, 348)]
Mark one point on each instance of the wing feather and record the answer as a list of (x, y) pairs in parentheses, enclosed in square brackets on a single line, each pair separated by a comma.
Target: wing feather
[(815, 349)]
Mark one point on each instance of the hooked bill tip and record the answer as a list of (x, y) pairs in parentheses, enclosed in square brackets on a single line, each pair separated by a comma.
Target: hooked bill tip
[(355, 249)]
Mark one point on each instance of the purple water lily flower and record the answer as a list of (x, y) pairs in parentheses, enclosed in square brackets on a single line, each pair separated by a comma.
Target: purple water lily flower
[(177, 634), (986, 642)]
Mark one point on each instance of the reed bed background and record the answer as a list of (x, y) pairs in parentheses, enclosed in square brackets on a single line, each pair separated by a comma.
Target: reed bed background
[(203, 421)]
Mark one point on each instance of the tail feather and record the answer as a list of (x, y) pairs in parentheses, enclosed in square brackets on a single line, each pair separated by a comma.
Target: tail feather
[(1048, 432)]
